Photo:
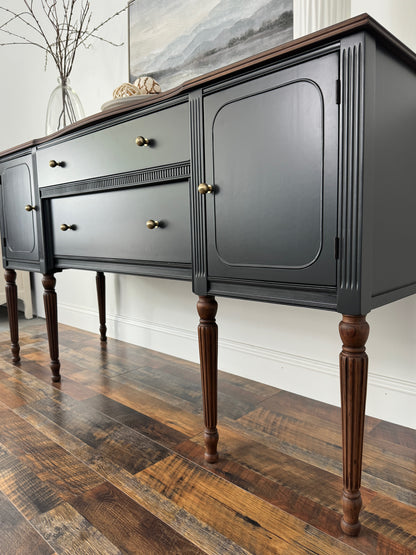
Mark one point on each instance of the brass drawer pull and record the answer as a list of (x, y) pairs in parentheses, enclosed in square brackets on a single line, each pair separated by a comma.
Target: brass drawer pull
[(65, 227), (54, 163), (142, 141), (30, 207), (204, 188), (152, 224)]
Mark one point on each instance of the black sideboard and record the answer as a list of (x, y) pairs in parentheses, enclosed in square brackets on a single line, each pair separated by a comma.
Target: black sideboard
[(288, 177)]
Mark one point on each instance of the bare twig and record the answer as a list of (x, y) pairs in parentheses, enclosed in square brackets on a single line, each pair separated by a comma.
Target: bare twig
[(59, 27)]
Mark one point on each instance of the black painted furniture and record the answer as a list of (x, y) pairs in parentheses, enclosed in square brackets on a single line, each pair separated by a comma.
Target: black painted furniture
[(288, 177)]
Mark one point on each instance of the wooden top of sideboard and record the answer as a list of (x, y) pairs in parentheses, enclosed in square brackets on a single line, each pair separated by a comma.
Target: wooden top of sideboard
[(362, 22)]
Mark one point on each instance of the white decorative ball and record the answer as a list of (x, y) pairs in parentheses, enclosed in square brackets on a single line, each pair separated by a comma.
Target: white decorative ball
[(124, 90), (147, 85)]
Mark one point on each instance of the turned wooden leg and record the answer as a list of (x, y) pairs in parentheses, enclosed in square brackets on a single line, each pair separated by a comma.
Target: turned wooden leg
[(51, 312), (100, 281), (11, 298), (208, 353), (353, 370)]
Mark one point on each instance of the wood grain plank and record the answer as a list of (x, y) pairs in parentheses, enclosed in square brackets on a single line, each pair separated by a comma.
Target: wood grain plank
[(68, 532), (17, 536), (129, 526), (65, 474), (293, 477), (395, 434), (28, 493), (170, 415), (167, 383), (137, 421), (3, 375), (237, 514), (40, 369), (392, 519), (125, 446), (256, 462), (205, 537), (14, 392), (303, 408), (298, 488), (323, 444)]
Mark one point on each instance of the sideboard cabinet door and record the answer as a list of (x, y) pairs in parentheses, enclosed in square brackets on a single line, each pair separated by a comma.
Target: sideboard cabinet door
[(271, 156), (19, 210)]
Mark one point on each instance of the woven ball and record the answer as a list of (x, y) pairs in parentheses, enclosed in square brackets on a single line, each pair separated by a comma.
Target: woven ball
[(124, 90), (147, 85)]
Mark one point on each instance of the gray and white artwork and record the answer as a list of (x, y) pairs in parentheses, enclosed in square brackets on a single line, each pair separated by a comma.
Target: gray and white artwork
[(177, 40)]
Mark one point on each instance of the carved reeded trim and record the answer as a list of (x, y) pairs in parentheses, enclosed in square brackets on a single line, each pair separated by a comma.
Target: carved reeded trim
[(208, 353), (11, 298), (51, 313), (100, 283), (354, 332), (171, 172), (197, 200), (351, 164)]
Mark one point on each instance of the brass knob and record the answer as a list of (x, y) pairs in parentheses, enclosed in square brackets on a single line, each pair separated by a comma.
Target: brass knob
[(29, 208), (142, 141), (152, 224), (54, 163), (65, 227), (204, 188)]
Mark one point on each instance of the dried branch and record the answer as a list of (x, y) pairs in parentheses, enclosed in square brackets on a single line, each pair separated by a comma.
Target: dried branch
[(58, 27)]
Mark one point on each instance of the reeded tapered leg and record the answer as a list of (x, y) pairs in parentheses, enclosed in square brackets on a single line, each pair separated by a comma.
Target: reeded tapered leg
[(208, 353), (354, 332), (11, 298), (51, 312), (100, 282)]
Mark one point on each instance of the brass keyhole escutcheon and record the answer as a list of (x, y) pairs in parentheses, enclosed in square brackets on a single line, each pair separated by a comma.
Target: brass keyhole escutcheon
[(152, 224), (142, 141), (65, 227), (204, 188)]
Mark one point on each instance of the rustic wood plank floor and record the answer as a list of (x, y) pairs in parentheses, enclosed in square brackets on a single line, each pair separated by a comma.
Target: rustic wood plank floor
[(111, 461)]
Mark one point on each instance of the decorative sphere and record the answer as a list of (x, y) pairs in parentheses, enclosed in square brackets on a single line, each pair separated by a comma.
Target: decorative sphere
[(124, 90), (147, 85)]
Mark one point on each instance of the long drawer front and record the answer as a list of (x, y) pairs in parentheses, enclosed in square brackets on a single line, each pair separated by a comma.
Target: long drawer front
[(119, 148), (148, 224)]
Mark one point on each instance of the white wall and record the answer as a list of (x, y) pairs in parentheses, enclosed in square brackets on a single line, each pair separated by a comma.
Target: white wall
[(291, 348)]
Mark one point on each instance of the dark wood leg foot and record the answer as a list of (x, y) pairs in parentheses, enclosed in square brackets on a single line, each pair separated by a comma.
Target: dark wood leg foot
[(51, 312), (208, 353), (11, 298), (354, 332), (100, 281)]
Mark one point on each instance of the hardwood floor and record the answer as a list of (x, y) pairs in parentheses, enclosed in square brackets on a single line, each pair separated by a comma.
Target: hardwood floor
[(111, 461)]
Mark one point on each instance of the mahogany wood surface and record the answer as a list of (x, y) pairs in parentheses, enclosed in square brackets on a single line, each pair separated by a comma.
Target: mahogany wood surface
[(208, 353), (51, 312), (11, 298), (100, 283), (354, 332), (111, 459)]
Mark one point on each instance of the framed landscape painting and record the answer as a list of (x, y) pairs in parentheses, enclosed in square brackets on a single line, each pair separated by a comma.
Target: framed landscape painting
[(176, 40)]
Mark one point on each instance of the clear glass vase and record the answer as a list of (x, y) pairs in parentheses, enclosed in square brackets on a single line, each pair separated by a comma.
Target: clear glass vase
[(64, 107)]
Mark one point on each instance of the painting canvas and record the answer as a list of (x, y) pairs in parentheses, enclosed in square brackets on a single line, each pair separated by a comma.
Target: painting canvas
[(177, 40)]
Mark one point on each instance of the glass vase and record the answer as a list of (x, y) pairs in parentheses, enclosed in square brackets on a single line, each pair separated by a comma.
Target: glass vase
[(64, 107)]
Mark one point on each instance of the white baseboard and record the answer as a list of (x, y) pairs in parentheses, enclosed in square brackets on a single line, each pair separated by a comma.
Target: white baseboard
[(388, 399)]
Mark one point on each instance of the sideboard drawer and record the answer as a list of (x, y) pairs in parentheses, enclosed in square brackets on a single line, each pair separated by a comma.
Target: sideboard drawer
[(114, 150), (112, 225)]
